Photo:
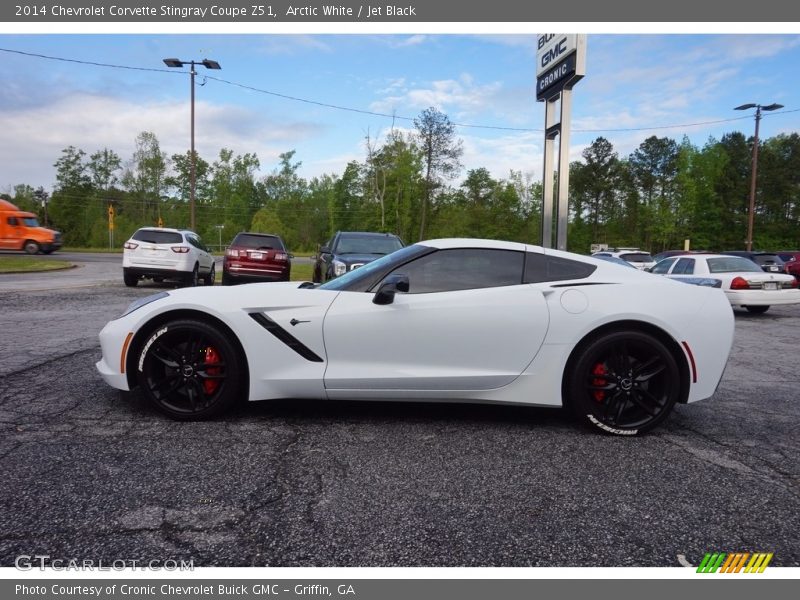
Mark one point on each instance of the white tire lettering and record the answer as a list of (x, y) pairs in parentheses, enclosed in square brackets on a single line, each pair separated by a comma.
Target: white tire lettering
[(149, 343)]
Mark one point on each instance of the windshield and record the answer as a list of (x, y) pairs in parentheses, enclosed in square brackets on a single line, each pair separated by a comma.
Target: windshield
[(732, 264), (30, 221), (637, 257), (363, 244), (351, 279)]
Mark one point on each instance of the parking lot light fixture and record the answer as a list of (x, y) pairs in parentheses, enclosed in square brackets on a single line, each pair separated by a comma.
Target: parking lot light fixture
[(754, 168), (208, 64)]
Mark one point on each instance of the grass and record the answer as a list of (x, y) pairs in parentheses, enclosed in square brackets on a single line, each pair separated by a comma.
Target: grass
[(302, 272), (85, 249), (26, 264)]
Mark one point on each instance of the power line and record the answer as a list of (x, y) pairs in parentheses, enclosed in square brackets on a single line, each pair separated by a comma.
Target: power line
[(381, 114)]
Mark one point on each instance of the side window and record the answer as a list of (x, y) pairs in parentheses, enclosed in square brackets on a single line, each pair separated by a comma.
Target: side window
[(662, 267), (540, 268), (12, 221), (684, 266), (463, 269), (194, 241)]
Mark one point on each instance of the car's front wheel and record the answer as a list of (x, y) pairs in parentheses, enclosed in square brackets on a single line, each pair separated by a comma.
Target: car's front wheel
[(31, 247), (189, 370), (624, 383)]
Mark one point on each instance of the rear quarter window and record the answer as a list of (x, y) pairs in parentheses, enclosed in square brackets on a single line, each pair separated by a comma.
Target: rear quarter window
[(540, 268)]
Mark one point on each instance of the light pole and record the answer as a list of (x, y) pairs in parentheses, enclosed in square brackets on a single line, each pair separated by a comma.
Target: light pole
[(208, 64), (754, 167), (219, 229)]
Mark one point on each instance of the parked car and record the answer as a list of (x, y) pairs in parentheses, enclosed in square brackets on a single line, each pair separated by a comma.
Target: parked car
[(791, 262), (743, 281), (20, 230), (348, 250), (167, 254), (638, 258), (256, 257), (441, 320), (613, 260), (768, 261)]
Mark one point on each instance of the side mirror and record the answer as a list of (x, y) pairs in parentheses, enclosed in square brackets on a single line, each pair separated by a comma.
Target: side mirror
[(390, 286), (290, 255), (324, 250)]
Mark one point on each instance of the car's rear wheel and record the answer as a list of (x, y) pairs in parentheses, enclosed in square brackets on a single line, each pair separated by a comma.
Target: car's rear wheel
[(130, 279), (212, 275), (757, 310), (226, 279), (624, 383), (31, 247), (189, 370), (194, 276)]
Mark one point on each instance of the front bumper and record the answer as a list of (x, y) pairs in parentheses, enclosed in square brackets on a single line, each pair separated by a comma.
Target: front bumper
[(113, 361)]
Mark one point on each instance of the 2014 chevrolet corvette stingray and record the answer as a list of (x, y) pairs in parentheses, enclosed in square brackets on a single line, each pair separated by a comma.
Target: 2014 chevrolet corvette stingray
[(444, 320)]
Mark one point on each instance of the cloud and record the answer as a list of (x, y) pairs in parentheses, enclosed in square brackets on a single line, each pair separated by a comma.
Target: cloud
[(289, 45), (91, 122), (457, 97)]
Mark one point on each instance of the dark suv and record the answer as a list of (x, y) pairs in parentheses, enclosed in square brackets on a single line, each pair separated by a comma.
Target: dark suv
[(348, 250), (768, 261), (256, 257)]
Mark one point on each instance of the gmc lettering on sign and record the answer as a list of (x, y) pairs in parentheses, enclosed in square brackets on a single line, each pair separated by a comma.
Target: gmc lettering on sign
[(552, 48)]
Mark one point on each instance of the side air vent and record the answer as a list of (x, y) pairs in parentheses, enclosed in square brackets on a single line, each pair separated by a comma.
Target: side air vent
[(284, 336)]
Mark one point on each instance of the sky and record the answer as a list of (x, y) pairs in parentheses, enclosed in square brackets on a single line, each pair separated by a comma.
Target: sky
[(636, 86)]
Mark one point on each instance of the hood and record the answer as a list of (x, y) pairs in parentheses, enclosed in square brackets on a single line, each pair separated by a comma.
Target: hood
[(357, 258)]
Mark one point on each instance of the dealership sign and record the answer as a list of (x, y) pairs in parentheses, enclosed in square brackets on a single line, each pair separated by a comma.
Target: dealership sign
[(560, 62)]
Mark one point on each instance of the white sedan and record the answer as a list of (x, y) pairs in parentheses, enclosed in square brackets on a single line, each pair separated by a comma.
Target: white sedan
[(444, 320), (745, 284)]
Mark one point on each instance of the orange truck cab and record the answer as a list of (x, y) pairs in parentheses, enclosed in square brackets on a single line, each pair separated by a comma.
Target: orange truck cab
[(20, 230)]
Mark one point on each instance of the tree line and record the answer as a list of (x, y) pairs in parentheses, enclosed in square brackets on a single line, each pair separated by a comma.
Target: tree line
[(663, 192)]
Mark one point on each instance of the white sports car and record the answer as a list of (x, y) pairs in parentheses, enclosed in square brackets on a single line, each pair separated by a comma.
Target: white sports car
[(444, 320)]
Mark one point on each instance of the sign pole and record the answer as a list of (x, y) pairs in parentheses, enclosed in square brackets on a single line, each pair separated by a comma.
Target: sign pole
[(563, 171), (560, 64), (547, 178)]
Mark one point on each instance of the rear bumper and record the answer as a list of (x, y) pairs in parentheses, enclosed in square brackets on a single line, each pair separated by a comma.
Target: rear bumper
[(246, 273), (151, 272), (763, 297)]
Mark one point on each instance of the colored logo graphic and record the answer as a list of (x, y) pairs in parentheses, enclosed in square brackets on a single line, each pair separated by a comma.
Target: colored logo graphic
[(735, 562)]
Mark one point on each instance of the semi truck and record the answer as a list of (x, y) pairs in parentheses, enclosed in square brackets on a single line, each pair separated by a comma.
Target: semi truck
[(20, 230)]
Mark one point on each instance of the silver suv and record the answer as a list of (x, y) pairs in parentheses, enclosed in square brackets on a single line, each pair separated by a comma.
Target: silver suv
[(158, 254)]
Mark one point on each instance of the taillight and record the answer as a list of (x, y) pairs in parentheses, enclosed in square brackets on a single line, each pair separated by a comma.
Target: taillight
[(233, 253), (280, 256), (793, 283), (739, 283), (180, 249), (130, 246)]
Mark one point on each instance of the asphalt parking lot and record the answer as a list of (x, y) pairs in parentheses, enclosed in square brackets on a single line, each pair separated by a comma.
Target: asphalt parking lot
[(90, 475)]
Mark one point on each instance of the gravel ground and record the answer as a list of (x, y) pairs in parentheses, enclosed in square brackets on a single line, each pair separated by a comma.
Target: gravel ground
[(90, 474)]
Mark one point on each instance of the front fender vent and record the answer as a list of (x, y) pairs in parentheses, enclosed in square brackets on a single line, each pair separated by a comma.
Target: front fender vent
[(286, 337)]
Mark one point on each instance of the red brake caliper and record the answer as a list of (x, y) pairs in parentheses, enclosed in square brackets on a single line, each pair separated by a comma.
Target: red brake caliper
[(599, 372), (211, 385)]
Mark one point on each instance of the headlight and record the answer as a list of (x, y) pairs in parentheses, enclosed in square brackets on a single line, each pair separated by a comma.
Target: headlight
[(137, 304), (339, 268)]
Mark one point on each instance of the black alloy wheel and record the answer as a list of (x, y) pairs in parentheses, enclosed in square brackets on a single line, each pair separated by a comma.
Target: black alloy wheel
[(624, 383), (212, 275), (189, 370)]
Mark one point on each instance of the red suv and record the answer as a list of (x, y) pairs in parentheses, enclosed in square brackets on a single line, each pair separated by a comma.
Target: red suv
[(791, 258), (256, 257)]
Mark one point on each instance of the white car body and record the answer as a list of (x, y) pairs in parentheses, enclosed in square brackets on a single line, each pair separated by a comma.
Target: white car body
[(508, 344), (156, 257), (764, 289), (630, 256)]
